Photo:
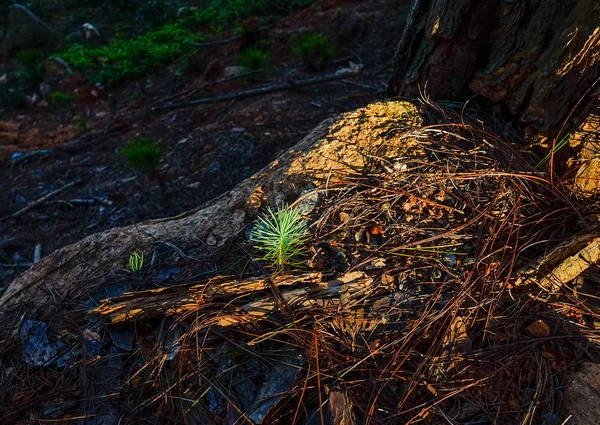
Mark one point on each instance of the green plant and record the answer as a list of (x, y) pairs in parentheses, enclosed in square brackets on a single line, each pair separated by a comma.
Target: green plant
[(561, 144), (79, 123), (145, 155), (142, 154), (136, 261), (314, 49), (280, 234), (59, 99), (221, 14), (255, 60), (128, 57)]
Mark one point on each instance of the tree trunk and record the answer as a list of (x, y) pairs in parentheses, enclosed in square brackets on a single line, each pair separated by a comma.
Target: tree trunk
[(540, 60)]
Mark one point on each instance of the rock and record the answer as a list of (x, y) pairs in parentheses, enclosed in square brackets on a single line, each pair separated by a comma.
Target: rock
[(538, 329), (234, 71), (55, 71), (90, 31), (277, 382), (75, 37), (25, 30), (185, 10), (581, 396)]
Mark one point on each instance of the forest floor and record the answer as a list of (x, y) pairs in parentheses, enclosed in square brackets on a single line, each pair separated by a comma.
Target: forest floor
[(447, 279), (208, 148)]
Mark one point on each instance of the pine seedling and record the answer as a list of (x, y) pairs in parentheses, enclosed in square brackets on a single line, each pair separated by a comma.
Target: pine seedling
[(136, 261), (280, 234)]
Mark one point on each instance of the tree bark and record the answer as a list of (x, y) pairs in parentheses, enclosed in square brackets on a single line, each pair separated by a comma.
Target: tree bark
[(538, 59)]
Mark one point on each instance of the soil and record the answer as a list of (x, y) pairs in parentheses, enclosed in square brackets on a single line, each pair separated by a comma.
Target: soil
[(209, 148)]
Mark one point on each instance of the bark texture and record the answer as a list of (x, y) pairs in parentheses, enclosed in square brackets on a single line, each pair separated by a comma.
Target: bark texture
[(539, 59)]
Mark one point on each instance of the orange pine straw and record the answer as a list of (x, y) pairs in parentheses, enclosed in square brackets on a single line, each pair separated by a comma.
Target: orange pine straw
[(315, 341)]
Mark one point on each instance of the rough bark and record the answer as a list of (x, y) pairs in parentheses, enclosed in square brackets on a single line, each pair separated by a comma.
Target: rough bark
[(539, 59)]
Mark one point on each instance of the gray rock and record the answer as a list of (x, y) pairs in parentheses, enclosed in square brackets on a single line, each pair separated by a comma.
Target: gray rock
[(277, 382), (75, 37), (37, 350), (56, 70), (25, 30), (581, 397)]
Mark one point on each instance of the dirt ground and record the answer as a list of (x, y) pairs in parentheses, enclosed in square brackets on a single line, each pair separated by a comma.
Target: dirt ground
[(209, 148)]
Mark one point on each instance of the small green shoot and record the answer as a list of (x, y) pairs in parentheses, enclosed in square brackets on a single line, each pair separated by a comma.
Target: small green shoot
[(136, 261), (280, 234), (561, 144), (142, 154), (255, 60), (314, 49), (79, 123), (145, 155), (59, 99)]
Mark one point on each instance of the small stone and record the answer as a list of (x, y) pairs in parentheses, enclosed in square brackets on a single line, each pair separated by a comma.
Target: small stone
[(211, 240), (538, 329), (234, 71), (344, 217), (90, 31), (75, 37)]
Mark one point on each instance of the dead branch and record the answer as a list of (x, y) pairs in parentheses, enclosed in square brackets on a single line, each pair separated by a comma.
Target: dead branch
[(178, 299), (352, 298), (41, 200), (288, 85), (572, 267)]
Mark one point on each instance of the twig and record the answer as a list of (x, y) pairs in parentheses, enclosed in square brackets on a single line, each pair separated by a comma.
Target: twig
[(27, 155), (290, 84), (41, 200), (37, 253)]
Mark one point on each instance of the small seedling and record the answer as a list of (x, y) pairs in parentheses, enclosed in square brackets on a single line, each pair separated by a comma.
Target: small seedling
[(145, 155), (59, 99), (280, 234), (255, 60), (79, 123), (142, 154), (314, 49), (136, 261)]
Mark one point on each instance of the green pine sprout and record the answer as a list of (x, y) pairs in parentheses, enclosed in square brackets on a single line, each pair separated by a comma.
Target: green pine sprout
[(280, 235), (136, 261), (142, 154)]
